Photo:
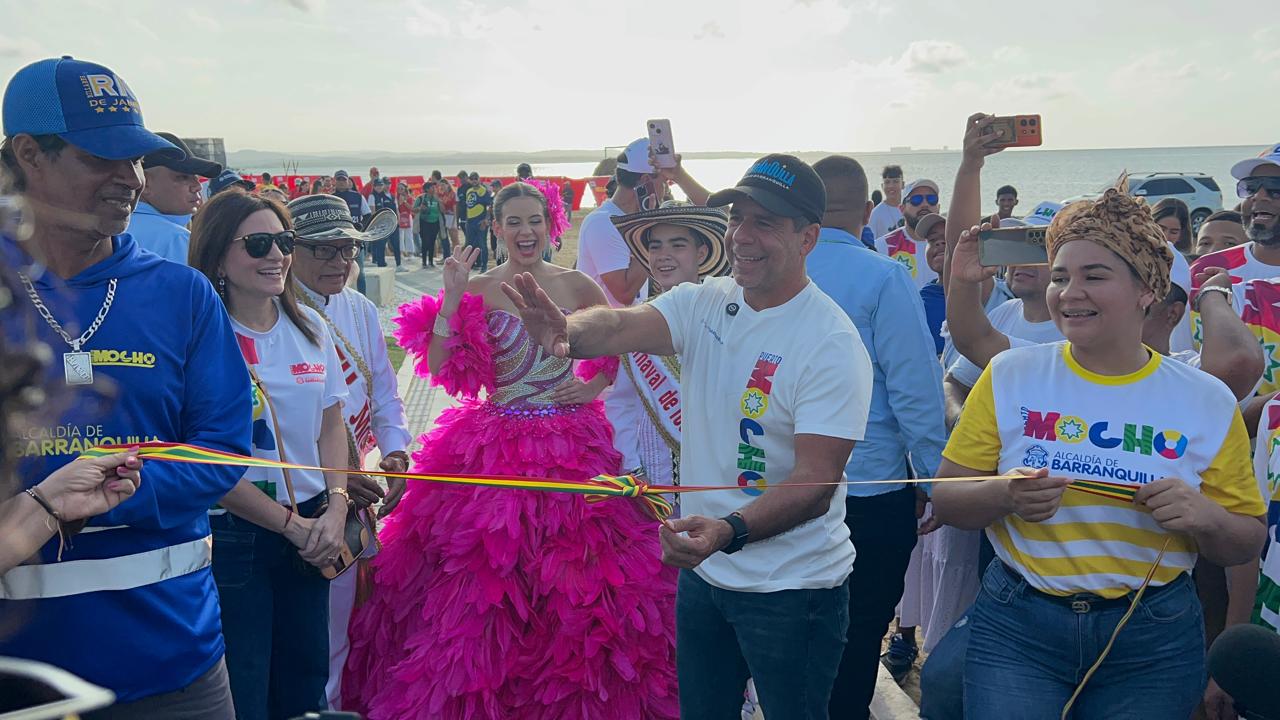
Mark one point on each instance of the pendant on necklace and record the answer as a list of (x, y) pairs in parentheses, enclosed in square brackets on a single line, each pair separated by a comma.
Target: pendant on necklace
[(77, 367)]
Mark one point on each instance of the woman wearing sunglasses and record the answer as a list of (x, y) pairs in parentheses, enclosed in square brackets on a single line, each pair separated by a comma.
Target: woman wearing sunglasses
[(272, 531)]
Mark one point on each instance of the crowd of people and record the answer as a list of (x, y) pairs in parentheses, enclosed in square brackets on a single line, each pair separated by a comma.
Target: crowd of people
[(1042, 476)]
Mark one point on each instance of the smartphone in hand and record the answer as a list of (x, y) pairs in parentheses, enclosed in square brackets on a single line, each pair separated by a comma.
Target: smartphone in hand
[(1014, 131), (1012, 246), (660, 143)]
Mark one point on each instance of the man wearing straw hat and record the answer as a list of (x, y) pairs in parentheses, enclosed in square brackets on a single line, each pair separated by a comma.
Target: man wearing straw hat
[(778, 386), (327, 246)]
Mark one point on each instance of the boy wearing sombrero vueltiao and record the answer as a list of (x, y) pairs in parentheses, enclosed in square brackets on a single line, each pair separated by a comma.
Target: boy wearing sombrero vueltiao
[(675, 244)]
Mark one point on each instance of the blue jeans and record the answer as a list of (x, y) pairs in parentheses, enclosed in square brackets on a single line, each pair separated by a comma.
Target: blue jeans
[(475, 235), (942, 676), (790, 641), (1028, 652), (275, 617)]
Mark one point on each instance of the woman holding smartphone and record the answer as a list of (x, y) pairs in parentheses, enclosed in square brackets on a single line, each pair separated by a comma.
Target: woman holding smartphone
[(1100, 406), (266, 551)]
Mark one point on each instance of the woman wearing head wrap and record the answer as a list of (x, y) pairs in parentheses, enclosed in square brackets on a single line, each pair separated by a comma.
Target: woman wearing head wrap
[(1099, 407)]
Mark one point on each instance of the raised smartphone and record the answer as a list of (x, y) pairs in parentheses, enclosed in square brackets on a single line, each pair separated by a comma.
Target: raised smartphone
[(1012, 246), (664, 150), (1015, 131)]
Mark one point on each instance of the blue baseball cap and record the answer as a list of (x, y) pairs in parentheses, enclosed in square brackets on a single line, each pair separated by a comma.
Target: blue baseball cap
[(83, 103), (227, 179)]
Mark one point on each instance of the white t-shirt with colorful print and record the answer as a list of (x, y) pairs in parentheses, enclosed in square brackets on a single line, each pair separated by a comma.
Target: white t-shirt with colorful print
[(303, 379), (1266, 465), (1037, 407), (753, 381), (900, 246)]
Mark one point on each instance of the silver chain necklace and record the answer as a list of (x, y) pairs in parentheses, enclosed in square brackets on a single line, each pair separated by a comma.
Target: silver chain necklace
[(77, 365)]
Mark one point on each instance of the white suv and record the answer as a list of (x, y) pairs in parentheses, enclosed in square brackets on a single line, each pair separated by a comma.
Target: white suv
[(1199, 191)]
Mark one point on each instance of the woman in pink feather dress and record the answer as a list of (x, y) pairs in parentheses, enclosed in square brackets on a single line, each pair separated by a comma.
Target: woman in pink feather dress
[(496, 603)]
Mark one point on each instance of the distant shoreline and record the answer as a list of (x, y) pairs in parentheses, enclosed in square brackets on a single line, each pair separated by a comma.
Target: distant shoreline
[(269, 158)]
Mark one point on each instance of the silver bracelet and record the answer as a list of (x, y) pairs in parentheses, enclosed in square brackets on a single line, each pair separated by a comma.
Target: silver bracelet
[(441, 327), (1226, 292)]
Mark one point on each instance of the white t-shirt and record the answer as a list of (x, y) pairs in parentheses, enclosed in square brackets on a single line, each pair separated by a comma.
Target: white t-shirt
[(601, 250), (1180, 274), (1266, 465), (899, 245), (1007, 319), (303, 380), (752, 381), (884, 219)]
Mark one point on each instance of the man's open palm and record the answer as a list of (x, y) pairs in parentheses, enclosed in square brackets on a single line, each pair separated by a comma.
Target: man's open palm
[(543, 320)]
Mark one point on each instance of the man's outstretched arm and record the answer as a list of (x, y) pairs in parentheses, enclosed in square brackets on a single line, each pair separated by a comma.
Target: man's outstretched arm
[(590, 333)]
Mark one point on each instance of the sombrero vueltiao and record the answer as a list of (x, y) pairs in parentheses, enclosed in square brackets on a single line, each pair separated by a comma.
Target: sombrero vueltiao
[(327, 217), (710, 224)]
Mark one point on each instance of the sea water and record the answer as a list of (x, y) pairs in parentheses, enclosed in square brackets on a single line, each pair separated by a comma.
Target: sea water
[(1037, 174)]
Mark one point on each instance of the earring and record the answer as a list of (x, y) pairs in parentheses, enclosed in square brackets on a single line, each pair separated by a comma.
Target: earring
[(222, 285)]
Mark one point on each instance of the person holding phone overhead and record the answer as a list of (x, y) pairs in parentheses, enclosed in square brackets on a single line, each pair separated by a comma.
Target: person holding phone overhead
[(1069, 563), (276, 528), (604, 257)]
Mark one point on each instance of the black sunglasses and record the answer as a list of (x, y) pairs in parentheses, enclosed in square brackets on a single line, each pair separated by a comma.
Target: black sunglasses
[(1250, 186), (259, 244), (918, 200), (329, 252)]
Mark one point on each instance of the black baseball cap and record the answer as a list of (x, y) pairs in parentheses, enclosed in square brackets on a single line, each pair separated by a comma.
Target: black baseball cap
[(191, 164), (784, 184)]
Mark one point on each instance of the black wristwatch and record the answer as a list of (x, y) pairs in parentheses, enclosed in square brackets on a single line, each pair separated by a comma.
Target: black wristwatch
[(740, 533)]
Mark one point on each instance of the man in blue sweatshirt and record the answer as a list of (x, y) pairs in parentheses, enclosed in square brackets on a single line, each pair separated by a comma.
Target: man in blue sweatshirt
[(142, 350)]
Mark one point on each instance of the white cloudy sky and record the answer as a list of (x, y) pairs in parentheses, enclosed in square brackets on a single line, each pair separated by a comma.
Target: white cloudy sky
[(758, 75)]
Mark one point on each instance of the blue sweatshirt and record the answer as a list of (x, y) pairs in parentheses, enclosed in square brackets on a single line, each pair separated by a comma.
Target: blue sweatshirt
[(166, 367)]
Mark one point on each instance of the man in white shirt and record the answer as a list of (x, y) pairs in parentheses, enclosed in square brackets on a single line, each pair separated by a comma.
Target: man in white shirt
[(778, 386), (887, 215), (327, 246), (605, 258), (920, 198)]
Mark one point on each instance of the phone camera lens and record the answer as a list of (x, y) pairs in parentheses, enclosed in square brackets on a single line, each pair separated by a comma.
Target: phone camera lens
[(1032, 121), (1022, 122)]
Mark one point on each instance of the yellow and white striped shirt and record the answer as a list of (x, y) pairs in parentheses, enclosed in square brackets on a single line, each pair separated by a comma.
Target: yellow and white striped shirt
[(1037, 407)]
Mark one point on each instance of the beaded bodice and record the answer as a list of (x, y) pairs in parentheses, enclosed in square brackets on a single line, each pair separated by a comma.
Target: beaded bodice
[(525, 376)]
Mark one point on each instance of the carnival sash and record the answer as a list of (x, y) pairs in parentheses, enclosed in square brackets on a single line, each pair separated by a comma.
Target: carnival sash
[(657, 381)]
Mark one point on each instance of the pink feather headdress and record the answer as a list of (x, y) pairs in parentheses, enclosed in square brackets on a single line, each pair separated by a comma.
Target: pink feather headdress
[(557, 223)]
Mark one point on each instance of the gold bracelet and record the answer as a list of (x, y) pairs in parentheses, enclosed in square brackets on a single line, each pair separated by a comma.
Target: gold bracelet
[(340, 491)]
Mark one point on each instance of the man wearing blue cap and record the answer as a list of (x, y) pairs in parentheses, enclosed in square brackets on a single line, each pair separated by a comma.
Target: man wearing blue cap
[(777, 387), (142, 351)]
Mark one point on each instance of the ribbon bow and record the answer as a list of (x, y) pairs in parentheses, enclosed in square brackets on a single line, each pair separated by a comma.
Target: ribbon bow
[(629, 486)]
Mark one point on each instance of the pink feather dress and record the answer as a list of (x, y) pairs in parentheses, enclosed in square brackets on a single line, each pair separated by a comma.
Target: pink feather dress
[(497, 603)]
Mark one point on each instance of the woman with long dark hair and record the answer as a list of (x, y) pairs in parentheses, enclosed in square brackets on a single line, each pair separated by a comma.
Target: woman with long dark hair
[(1174, 219), (275, 529)]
